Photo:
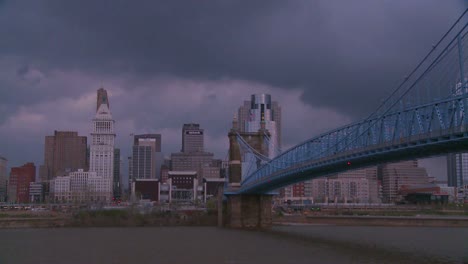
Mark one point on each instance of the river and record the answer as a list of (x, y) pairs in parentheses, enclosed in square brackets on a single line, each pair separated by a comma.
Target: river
[(211, 245)]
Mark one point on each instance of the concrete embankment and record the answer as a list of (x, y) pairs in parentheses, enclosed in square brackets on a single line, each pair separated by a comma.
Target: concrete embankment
[(442, 221)]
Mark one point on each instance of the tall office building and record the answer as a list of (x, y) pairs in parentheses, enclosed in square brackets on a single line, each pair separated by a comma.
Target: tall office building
[(201, 162), (153, 140), (146, 157), (250, 116), (102, 140), (192, 138), (18, 186), (457, 163), (260, 109), (3, 179), (193, 157), (64, 152), (457, 169)]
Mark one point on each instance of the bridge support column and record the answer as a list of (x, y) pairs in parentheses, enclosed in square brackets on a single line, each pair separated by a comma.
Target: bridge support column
[(249, 211)]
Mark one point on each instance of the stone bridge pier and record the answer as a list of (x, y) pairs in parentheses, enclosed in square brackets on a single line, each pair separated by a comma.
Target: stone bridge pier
[(246, 210)]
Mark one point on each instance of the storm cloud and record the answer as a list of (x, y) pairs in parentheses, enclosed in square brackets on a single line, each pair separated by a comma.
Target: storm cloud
[(169, 62)]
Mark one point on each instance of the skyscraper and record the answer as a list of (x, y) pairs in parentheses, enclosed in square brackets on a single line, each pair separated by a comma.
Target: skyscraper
[(153, 140), (192, 138), (102, 142), (193, 156), (64, 152), (146, 158), (457, 169), (457, 163), (260, 109)]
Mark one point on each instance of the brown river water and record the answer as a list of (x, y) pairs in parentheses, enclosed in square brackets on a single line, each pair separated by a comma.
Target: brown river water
[(211, 245)]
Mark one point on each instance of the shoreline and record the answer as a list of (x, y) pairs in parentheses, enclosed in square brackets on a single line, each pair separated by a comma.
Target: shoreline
[(120, 218), (411, 221)]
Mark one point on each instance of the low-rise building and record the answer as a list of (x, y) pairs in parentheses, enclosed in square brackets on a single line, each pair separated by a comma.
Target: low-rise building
[(36, 192), (81, 186), (183, 186), (146, 189), (211, 187)]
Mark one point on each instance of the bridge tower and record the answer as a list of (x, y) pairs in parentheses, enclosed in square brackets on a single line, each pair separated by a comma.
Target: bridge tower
[(246, 210)]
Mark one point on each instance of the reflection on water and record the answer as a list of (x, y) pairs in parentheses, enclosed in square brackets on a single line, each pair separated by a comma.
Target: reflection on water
[(289, 244)]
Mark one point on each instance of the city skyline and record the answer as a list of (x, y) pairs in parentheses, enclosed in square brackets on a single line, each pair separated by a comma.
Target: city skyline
[(41, 94)]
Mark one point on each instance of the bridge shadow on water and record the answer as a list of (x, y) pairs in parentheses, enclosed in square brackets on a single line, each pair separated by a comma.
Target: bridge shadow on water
[(358, 251)]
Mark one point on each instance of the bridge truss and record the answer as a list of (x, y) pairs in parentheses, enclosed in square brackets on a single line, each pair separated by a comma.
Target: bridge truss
[(424, 116)]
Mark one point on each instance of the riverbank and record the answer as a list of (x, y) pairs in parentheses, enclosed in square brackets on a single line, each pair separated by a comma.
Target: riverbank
[(107, 218), (124, 218), (429, 221)]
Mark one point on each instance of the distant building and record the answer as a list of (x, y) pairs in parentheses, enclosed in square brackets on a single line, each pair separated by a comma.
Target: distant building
[(3, 179), (457, 169), (356, 186), (183, 186), (192, 138), (117, 180), (164, 173), (396, 175), (64, 152), (211, 171), (260, 109), (424, 193), (153, 140), (103, 140), (146, 189), (81, 186), (18, 186), (342, 190), (130, 173), (147, 158), (102, 99), (195, 161), (36, 192), (193, 157), (211, 187)]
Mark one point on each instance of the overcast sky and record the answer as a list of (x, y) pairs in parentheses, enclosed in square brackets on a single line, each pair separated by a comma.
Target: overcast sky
[(165, 63)]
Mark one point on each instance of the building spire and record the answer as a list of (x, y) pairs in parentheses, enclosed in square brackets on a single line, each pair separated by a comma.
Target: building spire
[(102, 98)]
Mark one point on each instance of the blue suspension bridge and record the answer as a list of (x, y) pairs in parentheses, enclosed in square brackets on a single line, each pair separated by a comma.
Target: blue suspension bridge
[(424, 116)]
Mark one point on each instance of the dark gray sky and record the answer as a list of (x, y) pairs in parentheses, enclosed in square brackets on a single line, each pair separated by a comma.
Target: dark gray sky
[(166, 63)]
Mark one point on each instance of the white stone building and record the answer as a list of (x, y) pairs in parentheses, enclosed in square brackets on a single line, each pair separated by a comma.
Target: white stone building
[(81, 186), (102, 140)]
